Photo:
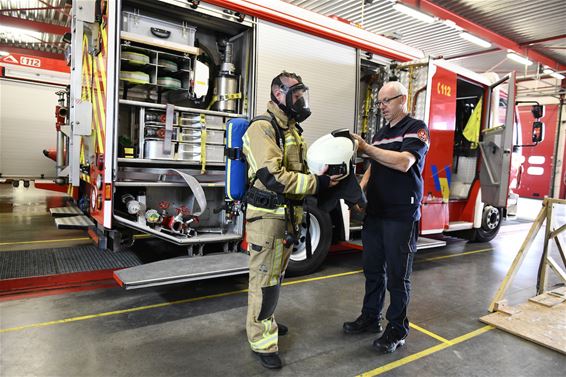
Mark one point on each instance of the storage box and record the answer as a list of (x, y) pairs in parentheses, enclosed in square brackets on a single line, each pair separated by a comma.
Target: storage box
[(191, 152), (153, 149), (188, 119), (158, 29), (193, 134), (158, 132)]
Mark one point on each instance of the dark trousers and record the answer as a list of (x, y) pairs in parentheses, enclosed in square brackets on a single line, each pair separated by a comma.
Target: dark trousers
[(389, 248)]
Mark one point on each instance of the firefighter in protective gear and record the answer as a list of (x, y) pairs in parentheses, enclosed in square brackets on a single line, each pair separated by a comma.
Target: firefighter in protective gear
[(275, 152)]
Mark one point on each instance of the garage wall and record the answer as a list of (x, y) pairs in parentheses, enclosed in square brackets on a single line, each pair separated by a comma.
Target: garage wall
[(27, 127), (327, 68)]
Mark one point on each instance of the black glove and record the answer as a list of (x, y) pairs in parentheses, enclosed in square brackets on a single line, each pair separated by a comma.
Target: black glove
[(323, 183)]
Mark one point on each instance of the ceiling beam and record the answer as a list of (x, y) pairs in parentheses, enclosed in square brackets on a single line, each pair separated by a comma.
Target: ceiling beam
[(483, 32), (28, 51), (42, 27), (544, 40)]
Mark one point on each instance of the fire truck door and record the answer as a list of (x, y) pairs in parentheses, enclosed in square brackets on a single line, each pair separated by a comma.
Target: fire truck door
[(496, 143)]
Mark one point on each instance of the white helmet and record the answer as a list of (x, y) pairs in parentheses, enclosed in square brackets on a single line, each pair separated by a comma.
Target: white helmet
[(335, 150)]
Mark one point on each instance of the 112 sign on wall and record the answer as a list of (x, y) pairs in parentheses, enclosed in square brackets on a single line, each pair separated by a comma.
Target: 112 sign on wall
[(35, 62), (30, 62)]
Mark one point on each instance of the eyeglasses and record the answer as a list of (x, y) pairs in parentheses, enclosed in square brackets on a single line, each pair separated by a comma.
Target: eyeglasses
[(387, 101)]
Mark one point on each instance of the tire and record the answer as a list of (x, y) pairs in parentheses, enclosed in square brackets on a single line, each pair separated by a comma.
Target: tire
[(490, 225), (321, 237)]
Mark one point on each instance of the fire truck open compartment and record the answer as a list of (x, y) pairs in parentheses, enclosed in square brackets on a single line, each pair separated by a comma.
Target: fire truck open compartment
[(173, 102), (466, 153)]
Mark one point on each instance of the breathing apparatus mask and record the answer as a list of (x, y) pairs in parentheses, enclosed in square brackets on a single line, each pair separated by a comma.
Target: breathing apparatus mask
[(296, 100)]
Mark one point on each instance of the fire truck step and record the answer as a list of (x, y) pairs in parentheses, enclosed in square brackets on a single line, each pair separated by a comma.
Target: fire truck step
[(429, 243), (65, 211), (422, 243), (73, 222), (47, 262), (184, 269)]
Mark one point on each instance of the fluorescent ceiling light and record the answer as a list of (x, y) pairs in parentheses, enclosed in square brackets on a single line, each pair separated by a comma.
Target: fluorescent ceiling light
[(413, 13), (452, 25), (519, 58), (472, 38), (23, 35), (551, 72)]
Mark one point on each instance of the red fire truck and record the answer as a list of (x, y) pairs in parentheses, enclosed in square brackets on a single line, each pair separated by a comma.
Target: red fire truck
[(153, 84)]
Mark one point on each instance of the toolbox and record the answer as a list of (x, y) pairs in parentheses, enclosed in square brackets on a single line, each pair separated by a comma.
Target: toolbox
[(152, 27)]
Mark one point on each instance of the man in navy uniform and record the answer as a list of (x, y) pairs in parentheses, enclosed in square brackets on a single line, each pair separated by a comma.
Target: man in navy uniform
[(394, 187)]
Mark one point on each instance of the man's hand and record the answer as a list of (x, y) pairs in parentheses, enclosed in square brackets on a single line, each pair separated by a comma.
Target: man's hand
[(334, 179), (362, 145), (357, 208)]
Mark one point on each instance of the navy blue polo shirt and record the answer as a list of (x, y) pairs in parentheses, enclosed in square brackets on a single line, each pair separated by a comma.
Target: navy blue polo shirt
[(391, 193)]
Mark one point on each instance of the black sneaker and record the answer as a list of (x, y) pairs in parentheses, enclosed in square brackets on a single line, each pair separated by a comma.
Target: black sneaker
[(269, 360), (282, 330), (388, 342), (364, 323)]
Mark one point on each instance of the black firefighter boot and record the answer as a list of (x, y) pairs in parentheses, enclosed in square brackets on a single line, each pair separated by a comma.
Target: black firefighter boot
[(364, 323), (269, 360)]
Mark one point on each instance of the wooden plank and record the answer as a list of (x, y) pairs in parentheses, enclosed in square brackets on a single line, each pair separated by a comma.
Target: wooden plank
[(547, 300), (159, 43), (509, 310), (542, 270), (560, 250), (558, 231), (537, 323), (518, 258), (556, 268)]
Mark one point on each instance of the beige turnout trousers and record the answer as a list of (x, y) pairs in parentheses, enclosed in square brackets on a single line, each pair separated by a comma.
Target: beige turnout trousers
[(268, 261)]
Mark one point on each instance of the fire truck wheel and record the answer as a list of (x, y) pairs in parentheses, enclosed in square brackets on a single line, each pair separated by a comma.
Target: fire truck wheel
[(490, 224), (321, 236)]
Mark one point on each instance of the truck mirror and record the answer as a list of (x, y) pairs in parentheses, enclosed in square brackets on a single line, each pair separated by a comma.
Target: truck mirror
[(538, 132), (537, 111)]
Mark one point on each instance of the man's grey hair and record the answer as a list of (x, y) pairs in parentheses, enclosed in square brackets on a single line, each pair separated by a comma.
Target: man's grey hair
[(399, 88)]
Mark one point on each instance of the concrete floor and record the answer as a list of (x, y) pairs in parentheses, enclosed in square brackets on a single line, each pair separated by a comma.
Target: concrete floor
[(197, 329)]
